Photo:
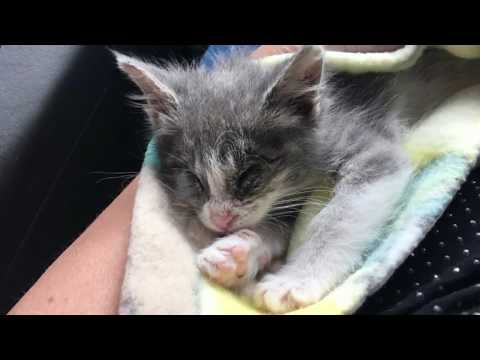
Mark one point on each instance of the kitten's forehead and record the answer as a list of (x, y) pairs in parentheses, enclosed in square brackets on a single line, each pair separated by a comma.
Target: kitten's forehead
[(221, 156), (229, 94), (215, 174)]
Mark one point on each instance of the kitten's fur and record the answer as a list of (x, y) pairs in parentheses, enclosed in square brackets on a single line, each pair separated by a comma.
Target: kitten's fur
[(246, 141)]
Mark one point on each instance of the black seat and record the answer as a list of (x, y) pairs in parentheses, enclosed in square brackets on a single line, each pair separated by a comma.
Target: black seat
[(65, 125)]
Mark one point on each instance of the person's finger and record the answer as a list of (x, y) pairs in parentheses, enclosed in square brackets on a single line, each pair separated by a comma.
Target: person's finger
[(267, 50)]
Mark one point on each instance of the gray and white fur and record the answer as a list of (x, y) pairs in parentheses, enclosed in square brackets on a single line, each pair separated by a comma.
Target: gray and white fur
[(241, 147)]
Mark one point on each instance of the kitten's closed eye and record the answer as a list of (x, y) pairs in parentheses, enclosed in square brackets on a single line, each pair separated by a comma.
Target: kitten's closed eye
[(249, 180), (271, 159), (195, 180)]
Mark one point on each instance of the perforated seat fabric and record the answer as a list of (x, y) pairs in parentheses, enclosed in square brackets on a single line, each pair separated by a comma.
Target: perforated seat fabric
[(442, 276)]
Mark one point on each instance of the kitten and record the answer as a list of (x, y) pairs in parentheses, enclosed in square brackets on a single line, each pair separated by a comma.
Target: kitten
[(241, 147)]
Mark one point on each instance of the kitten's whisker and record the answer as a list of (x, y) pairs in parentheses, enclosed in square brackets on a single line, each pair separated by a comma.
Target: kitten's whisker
[(114, 172), (300, 200), (293, 216), (278, 215), (165, 186), (301, 196), (124, 177), (305, 194), (182, 161), (313, 187), (294, 209), (294, 205), (303, 191)]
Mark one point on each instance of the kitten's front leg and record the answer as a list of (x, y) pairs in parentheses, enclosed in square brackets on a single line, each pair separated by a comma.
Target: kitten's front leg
[(235, 260), (338, 235)]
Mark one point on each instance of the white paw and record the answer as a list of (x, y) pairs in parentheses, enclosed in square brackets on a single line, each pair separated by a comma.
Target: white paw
[(280, 293), (234, 259)]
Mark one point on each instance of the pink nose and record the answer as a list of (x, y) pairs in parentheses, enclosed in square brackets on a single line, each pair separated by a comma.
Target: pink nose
[(223, 220)]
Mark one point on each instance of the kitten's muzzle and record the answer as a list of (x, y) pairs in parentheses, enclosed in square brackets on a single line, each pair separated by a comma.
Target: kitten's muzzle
[(224, 220)]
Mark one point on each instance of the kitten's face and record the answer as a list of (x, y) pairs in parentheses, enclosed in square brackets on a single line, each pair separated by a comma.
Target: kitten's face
[(235, 140), (233, 182)]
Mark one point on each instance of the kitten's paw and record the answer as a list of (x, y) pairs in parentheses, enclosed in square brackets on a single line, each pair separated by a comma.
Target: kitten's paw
[(280, 293), (234, 259)]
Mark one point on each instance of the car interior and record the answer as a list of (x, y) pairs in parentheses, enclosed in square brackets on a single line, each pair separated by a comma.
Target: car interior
[(70, 141)]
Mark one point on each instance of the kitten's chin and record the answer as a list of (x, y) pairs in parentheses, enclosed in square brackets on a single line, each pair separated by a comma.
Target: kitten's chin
[(222, 232), (242, 224), (245, 218), (215, 229)]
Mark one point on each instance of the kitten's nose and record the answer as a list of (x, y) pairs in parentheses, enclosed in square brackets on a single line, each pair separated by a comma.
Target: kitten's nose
[(222, 220)]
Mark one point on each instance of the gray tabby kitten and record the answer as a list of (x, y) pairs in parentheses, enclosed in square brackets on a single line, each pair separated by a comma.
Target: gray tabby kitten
[(242, 145)]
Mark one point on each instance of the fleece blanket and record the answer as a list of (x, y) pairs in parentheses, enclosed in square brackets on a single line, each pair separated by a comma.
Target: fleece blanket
[(161, 276)]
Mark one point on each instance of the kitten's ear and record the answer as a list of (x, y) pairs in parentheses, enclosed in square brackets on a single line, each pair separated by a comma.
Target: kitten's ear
[(160, 99), (298, 82)]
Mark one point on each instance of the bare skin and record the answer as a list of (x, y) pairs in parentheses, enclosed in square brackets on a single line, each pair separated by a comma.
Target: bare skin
[(87, 277)]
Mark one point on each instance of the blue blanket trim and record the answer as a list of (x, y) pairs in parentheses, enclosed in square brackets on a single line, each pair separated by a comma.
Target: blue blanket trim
[(208, 59), (151, 155)]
